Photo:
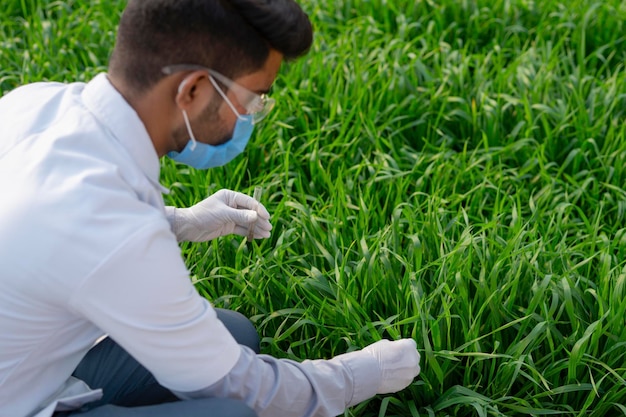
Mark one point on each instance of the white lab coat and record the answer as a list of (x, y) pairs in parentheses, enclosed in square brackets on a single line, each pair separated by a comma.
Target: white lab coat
[(86, 250)]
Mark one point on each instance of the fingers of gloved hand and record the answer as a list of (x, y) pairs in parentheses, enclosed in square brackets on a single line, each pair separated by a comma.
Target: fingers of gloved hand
[(398, 361), (262, 227), (243, 201), (235, 199), (259, 232), (244, 218), (220, 214), (240, 217), (263, 213)]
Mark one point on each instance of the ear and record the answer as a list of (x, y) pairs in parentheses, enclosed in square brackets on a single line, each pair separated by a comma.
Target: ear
[(188, 88), (182, 85)]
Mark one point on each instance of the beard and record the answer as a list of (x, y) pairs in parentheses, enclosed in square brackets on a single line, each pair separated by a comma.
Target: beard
[(208, 127)]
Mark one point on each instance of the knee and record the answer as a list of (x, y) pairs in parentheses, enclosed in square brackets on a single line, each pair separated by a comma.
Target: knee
[(238, 409), (241, 328)]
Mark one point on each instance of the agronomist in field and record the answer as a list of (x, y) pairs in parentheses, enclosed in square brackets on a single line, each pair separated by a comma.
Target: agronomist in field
[(87, 248)]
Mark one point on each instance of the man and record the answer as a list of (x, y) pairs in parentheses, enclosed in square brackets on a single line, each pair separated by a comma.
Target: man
[(98, 316)]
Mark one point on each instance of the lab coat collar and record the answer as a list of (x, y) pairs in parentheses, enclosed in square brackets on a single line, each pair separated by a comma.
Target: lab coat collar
[(114, 112)]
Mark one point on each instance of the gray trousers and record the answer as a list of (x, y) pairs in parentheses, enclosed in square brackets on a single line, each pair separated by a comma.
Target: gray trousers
[(130, 390)]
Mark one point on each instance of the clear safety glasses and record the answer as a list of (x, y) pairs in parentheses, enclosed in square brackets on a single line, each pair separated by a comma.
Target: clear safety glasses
[(257, 106)]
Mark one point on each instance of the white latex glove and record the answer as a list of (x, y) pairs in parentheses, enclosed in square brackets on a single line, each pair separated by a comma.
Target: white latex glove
[(399, 363), (223, 213)]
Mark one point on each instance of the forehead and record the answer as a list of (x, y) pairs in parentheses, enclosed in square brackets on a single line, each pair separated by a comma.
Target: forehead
[(261, 80)]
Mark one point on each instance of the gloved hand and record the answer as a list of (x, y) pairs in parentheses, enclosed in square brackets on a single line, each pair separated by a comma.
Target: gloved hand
[(223, 213), (399, 363)]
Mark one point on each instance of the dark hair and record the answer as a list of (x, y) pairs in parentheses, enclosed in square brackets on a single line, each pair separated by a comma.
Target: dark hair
[(232, 37)]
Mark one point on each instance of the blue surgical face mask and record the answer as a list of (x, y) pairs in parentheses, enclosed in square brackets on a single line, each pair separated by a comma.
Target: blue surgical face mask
[(203, 156)]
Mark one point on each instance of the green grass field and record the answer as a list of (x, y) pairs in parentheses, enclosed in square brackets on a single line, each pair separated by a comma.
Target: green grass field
[(451, 171)]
